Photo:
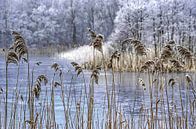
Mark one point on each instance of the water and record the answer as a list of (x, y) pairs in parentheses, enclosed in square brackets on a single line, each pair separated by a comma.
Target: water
[(129, 95)]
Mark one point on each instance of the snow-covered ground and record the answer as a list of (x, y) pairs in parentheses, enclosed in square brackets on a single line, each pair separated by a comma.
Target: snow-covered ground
[(83, 54)]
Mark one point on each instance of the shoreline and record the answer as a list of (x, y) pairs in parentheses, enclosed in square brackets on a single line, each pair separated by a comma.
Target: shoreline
[(45, 51)]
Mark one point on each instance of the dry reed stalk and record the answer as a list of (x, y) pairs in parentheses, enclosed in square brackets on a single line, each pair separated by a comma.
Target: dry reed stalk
[(94, 79), (139, 48), (187, 55), (97, 44)]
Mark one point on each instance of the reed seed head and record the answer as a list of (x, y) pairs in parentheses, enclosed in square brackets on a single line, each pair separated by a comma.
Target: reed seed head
[(188, 78), (56, 84), (12, 57), (148, 65), (176, 64), (172, 82), (167, 52), (138, 46), (38, 63), (98, 42), (141, 83), (95, 74), (185, 53), (55, 66), (77, 67), (116, 55), (1, 90), (37, 86), (19, 46), (92, 34)]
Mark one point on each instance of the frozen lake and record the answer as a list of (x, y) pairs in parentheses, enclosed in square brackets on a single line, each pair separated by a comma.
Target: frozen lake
[(130, 96)]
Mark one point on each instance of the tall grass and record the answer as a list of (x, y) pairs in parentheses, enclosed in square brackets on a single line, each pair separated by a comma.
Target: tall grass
[(134, 54), (37, 109)]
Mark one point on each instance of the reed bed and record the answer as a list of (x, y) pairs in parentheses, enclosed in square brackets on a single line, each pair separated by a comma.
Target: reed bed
[(132, 54), (159, 106)]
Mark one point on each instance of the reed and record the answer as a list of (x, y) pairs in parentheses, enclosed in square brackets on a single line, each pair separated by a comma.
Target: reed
[(133, 54), (156, 107)]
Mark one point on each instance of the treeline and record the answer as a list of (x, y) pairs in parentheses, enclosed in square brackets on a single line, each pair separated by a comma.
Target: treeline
[(156, 22), (44, 22)]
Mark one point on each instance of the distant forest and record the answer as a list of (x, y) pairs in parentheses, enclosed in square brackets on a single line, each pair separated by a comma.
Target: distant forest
[(56, 21), (65, 22)]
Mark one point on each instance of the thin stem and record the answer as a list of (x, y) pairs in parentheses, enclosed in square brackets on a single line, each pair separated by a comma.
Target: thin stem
[(6, 98)]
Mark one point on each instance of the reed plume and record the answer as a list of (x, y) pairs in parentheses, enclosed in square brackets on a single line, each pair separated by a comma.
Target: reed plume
[(21, 50), (37, 86), (56, 84), (148, 65), (77, 67), (19, 45), (92, 34), (158, 64), (138, 46), (38, 63), (176, 64), (190, 84), (95, 74), (12, 57), (96, 40), (188, 79), (141, 83), (115, 55), (18, 39), (167, 53), (186, 54), (97, 44), (55, 66), (1, 90), (172, 82)]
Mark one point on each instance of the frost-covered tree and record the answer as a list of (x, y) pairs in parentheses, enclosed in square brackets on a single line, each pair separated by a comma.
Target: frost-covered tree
[(156, 22), (65, 22)]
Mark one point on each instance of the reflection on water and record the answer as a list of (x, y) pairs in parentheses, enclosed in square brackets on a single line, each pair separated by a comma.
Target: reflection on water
[(130, 96)]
